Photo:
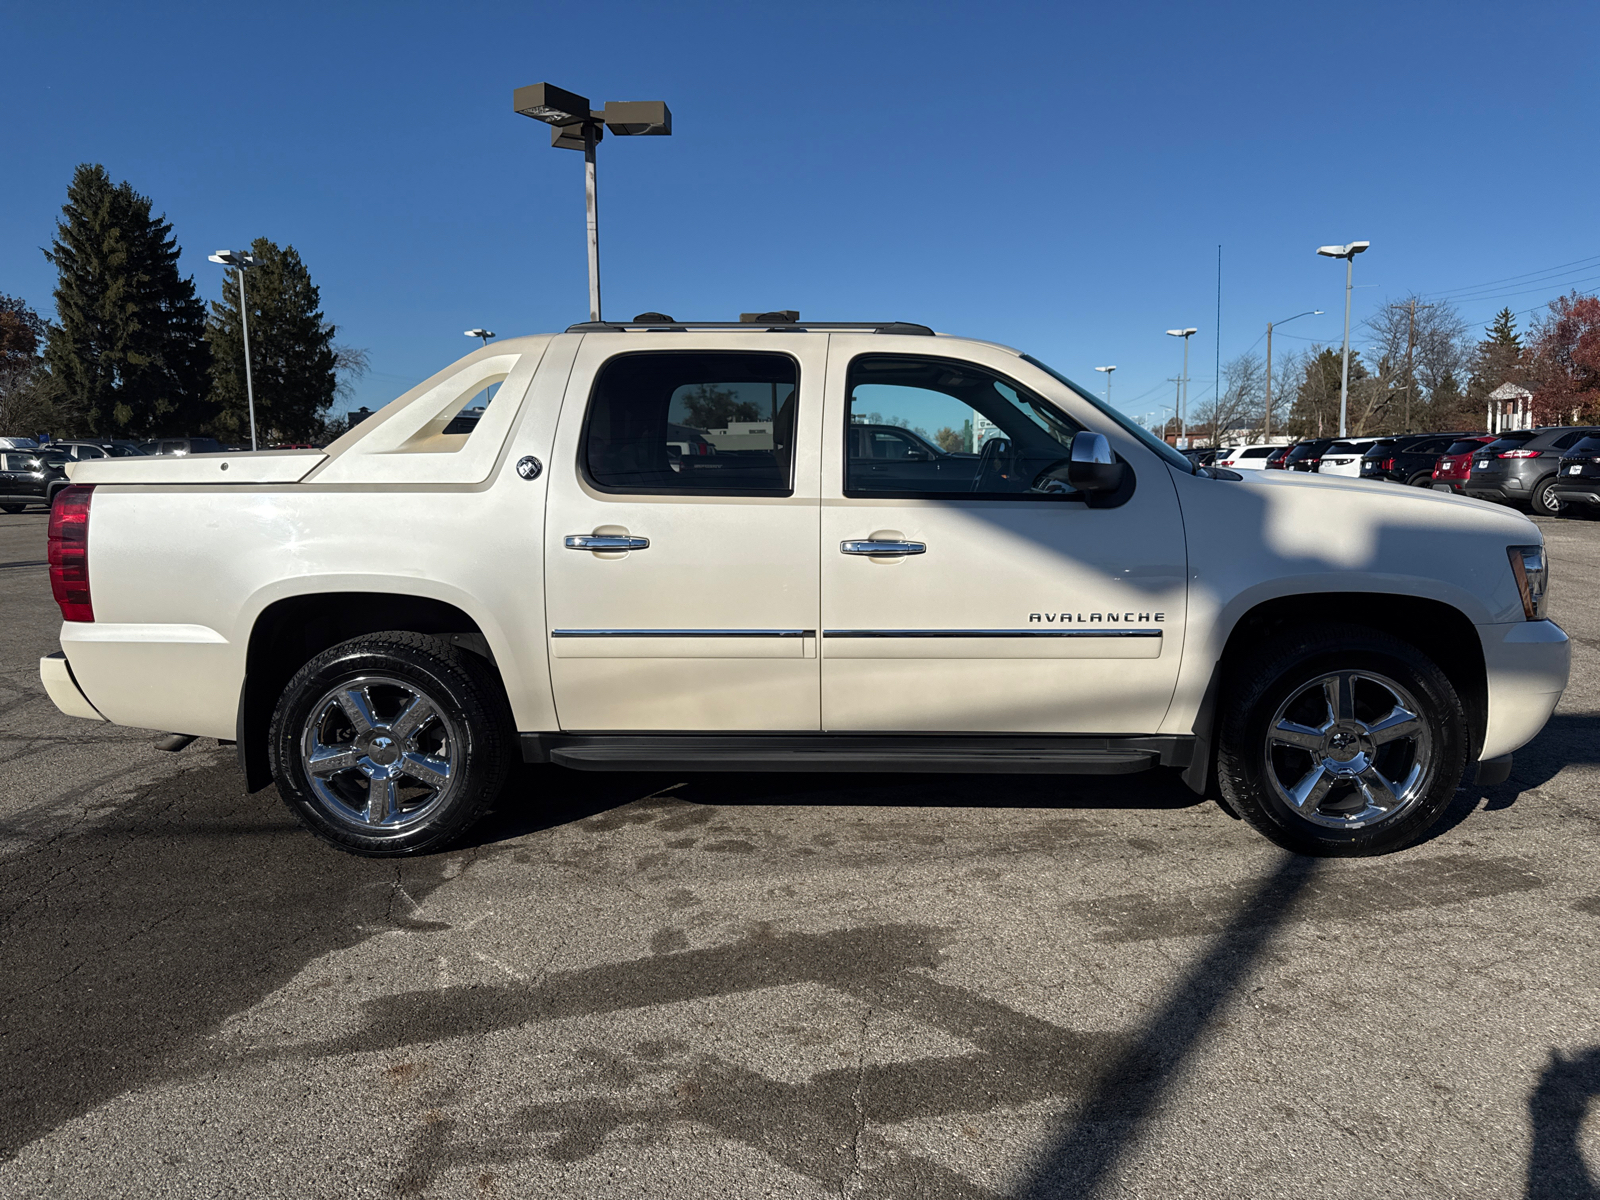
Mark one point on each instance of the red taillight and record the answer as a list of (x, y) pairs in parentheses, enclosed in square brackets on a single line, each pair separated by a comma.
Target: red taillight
[(69, 552), (1518, 454), (1388, 464)]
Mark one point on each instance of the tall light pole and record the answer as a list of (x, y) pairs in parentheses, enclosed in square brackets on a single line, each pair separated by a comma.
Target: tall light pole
[(1183, 385), (1348, 253), (479, 333), (239, 261), (1107, 372), (575, 126), (1266, 428)]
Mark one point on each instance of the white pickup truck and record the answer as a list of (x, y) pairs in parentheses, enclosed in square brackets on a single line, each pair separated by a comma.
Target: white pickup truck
[(796, 546)]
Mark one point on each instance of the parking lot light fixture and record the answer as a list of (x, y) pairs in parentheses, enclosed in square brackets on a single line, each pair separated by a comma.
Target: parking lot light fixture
[(575, 126), (1107, 371), (485, 334), (239, 261), (1266, 427), (1348, 253), (1183, 380)]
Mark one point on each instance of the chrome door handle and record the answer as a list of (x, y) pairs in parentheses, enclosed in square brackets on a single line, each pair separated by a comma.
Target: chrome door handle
[(605, 541), (883, 549)]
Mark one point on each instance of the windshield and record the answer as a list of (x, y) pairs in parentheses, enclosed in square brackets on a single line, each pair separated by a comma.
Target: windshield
[(1124, 422)]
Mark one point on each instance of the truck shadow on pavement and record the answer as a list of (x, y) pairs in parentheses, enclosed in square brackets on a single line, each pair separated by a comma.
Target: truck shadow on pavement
[(823, 1128), (125, 941), (1566, 1090)]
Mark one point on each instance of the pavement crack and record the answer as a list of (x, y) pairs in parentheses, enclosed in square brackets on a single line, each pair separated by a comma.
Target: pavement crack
[(853, 1178)]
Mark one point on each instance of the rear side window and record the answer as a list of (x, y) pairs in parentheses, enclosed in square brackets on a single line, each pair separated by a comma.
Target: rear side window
[(688, 422)]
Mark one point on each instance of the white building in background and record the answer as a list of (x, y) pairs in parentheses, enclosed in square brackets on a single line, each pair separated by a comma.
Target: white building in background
[(982, 429), (1510, 407)]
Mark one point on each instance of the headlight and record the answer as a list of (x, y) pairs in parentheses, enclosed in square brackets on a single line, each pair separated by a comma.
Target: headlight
[(1532, 573)]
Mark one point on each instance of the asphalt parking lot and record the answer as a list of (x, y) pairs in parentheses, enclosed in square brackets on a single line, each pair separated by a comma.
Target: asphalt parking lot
[(764, 985)]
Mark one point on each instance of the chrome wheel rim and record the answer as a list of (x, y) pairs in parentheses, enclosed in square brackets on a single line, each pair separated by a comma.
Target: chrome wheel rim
[(1349, 750), (1551, 501), (380, 754)]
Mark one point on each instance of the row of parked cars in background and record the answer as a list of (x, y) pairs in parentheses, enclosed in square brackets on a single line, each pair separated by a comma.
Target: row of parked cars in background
[(1550, 470)]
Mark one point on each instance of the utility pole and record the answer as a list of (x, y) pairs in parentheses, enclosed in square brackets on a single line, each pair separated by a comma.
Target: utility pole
[(1266, 426), (1411, 333)]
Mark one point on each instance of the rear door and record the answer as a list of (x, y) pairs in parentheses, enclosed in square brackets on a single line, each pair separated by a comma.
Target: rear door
[(681, 533), (999, 601)]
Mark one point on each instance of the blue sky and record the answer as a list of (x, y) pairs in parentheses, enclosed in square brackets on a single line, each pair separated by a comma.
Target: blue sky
[(1057, 177)]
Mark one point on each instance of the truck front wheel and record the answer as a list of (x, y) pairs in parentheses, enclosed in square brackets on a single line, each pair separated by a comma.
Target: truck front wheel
[(1341, 741), (391, 743)]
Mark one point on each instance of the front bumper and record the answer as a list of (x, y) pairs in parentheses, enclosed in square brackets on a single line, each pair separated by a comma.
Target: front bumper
[(56, 675), (1527, 664)]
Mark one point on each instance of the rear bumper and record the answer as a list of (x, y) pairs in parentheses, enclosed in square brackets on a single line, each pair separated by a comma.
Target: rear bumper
[(1584, 492), (1527, 664), (56, 675), (179, 678)]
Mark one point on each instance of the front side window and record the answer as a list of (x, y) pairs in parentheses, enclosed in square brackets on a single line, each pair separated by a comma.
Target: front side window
[(937, 428), (691, 422)]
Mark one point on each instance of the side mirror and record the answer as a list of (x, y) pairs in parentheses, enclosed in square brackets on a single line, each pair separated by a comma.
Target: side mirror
[(1092, 467)]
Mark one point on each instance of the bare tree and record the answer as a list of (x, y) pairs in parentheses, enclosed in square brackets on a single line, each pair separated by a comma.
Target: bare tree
[(1421, 350), (1243, 398)]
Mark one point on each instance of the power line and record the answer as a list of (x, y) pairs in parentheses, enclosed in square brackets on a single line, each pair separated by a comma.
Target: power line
[(1577, 262)]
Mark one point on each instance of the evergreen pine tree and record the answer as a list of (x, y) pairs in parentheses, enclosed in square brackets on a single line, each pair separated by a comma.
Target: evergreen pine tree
[(127, 357), (293, 361), (1504, 330)]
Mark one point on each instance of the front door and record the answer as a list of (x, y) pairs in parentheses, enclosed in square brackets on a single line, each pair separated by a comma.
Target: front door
[(976, 591), (681, 534)]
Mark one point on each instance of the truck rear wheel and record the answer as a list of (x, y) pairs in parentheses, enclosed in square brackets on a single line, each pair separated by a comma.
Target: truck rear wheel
[(1341, 741), (391, 743)]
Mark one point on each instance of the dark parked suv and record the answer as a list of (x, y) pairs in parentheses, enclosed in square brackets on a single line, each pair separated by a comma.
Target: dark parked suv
[(1521, 467), (1307, 456), (1578, 479), (1409, 459), (29, 477)]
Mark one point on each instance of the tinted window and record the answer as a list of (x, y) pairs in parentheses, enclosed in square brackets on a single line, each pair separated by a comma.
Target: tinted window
[(1345, 448), (693, 422), (940, 428), (1511, 441), (1570, 439), (1466, 447), (1257, 452), (1306, 450), (1590, 445)]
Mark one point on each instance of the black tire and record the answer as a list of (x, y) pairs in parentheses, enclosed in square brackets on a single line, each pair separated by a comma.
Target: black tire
[(455, 748), (1544, 501), (12, 508), (1421, 479), (1280, 688)]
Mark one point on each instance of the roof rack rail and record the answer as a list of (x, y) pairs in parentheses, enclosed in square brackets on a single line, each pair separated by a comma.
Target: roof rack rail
[(902, 327)]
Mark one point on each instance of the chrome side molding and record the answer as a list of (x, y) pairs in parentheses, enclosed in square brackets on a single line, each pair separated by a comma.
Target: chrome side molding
[(683, 633), (991, 633)]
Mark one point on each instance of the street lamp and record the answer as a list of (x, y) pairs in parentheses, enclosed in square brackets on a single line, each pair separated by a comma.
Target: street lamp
[(479, 333), (575, 126), (1183, 384), (1348, 253), (239, 261), (1266, 427), (1107, 372)]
